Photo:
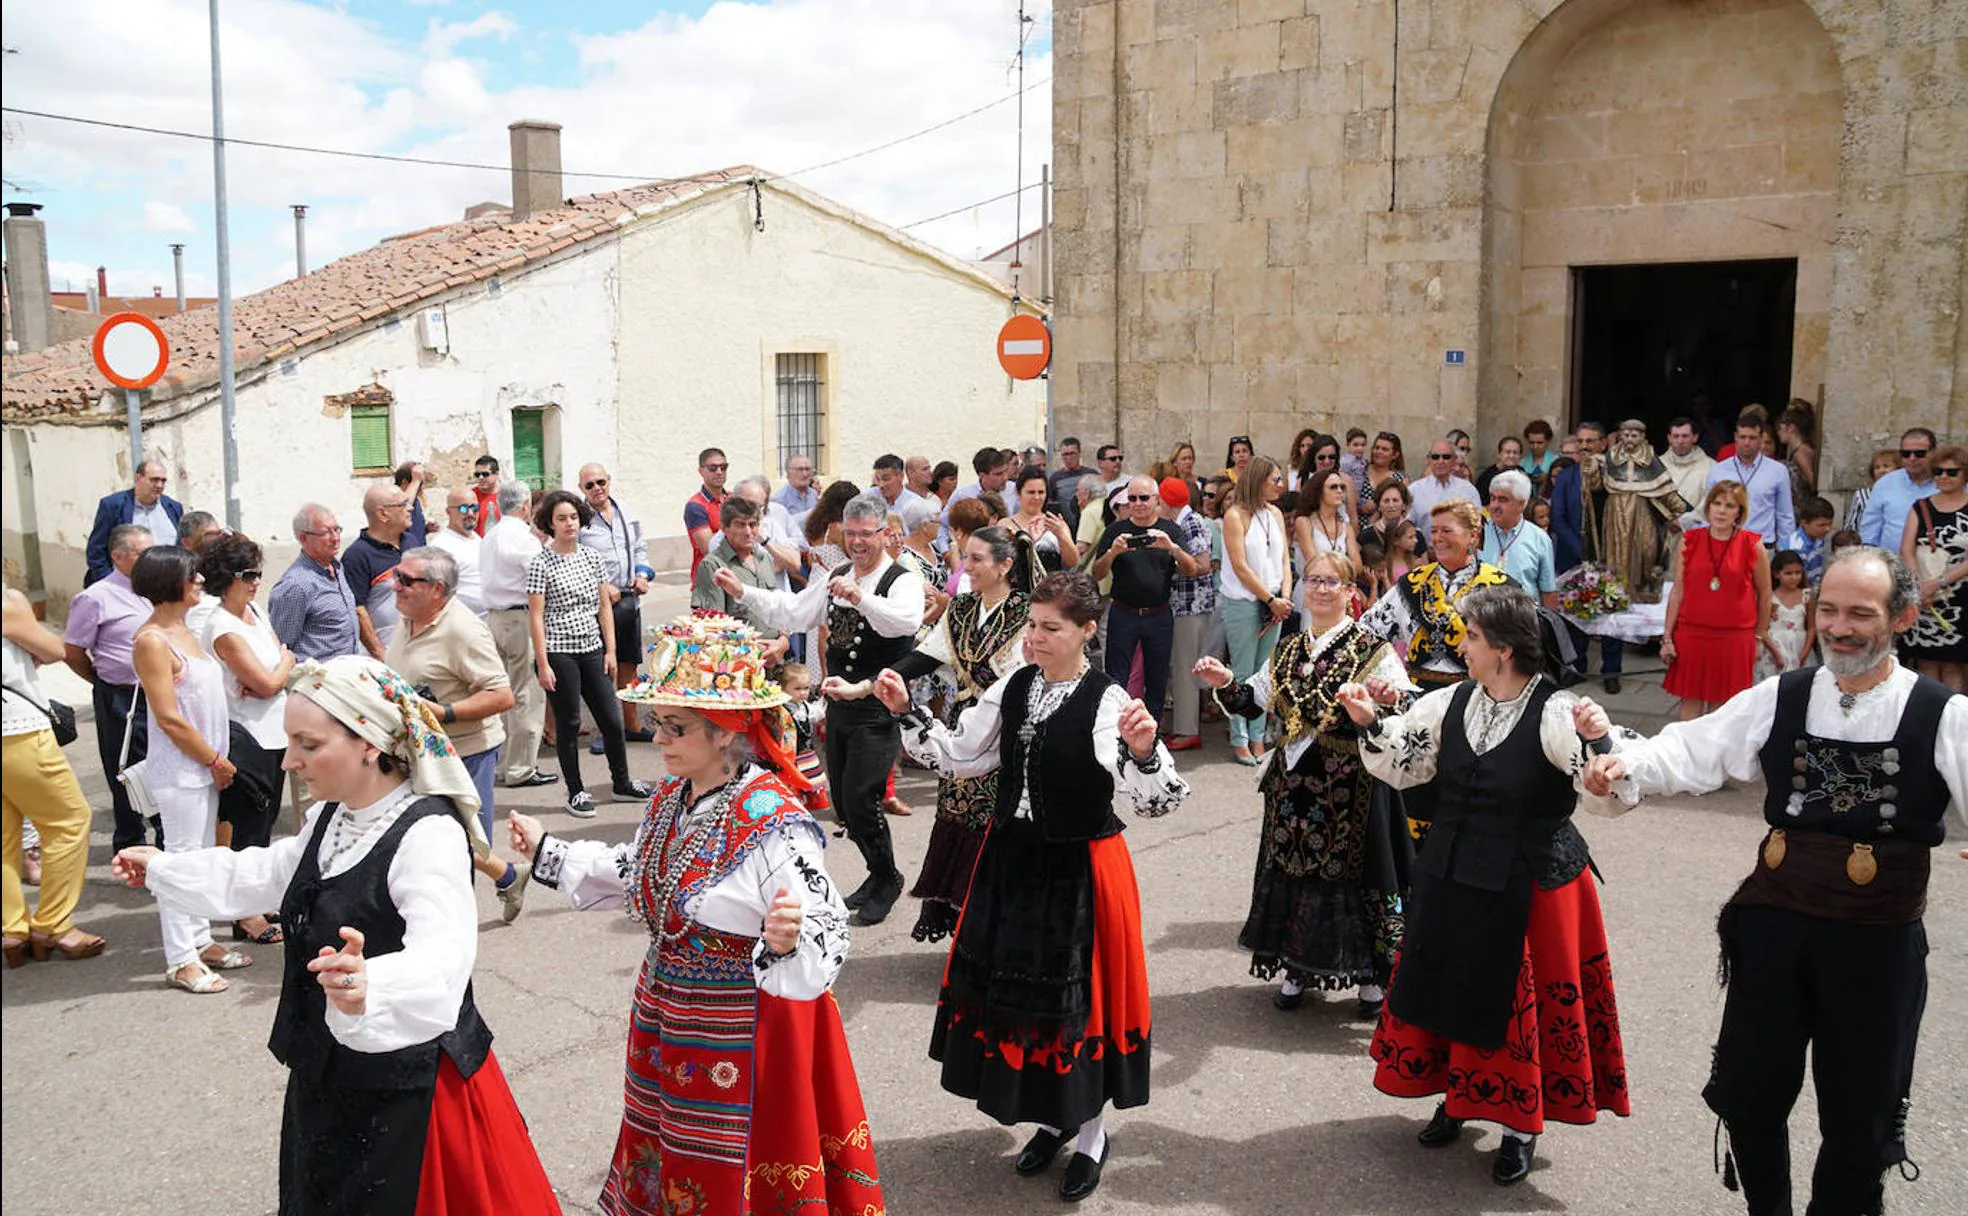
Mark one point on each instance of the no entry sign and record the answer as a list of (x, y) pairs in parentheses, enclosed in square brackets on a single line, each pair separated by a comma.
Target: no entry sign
[(131, 351), (1024, 347)]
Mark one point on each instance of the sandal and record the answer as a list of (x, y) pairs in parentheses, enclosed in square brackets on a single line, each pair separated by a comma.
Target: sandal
[(265, 937), (225, 960), (204, 983), (72, 946), (16, 951)]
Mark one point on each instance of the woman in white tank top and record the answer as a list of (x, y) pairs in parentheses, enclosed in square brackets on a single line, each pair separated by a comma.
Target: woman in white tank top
[(1255, 586)]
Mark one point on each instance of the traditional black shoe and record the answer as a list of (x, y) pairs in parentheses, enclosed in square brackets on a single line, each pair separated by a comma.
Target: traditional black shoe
[(880, 901), (1368, 1011), (1513, 1163), (1441, 1130), (1082, 1176), (1612, 686), (1042, 1150), (1287, 1001), (860, 894)]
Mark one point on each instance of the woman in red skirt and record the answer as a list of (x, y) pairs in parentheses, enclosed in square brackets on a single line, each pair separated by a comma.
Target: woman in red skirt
[(395, 1103), (1502, 995), (1043, 1016), (1715, 612)]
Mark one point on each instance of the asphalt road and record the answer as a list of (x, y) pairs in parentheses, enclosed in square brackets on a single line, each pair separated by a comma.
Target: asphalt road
[(122, 1096)]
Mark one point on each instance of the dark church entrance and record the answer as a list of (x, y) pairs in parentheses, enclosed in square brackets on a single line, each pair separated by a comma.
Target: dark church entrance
[(1654, 342)]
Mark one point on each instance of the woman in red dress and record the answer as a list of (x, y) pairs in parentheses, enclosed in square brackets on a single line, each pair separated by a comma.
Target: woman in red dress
[(1715, 613)]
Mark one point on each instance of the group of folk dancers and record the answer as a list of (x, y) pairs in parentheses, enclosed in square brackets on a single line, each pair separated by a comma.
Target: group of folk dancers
[(1477, 924)]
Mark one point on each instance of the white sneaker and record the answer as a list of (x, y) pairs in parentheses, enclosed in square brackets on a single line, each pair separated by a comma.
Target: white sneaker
[(581, 805)]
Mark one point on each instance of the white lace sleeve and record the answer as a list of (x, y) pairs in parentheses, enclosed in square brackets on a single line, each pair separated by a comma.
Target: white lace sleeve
[(1402, 750), (794, 859), (589, 873), (1152, 789), (971, 750)]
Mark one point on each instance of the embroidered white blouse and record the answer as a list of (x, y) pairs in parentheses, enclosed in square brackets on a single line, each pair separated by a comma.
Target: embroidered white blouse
[(1405, 748), (1697, 757), (1386, 666), (594, 875), (413, 993), (972, 749)]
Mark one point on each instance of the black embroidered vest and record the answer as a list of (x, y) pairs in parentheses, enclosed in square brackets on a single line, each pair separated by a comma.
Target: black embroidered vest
[(854, 650), (313, 913), (1505, 811), (1861, 791), (1072, 796)]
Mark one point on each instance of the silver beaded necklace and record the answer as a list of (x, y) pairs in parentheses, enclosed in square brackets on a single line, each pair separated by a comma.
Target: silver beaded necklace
[(672, 866), (341, 841)]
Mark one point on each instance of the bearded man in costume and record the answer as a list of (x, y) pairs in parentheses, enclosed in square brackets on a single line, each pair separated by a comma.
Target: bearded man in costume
[(1641, 508)]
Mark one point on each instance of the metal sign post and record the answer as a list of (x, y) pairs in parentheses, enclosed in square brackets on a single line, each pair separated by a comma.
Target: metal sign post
[(131, 352)]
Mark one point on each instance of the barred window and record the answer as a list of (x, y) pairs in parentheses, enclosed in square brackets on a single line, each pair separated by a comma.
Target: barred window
[(802, 381)]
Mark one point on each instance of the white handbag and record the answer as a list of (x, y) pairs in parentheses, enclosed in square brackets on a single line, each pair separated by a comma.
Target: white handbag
[(135, 779)]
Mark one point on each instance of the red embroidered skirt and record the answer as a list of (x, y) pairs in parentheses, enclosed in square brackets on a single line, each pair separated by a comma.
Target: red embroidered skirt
[(1561, 1058)]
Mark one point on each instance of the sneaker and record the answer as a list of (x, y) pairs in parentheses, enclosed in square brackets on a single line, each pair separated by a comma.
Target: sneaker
[(513, 894), (634, 791), (596, 746), (581, 805)]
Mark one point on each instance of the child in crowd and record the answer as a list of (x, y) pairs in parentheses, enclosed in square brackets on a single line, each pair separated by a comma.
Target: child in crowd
[(1372, 559), (1540, 513), (1844, 538), (1812, 539), (1403, 553), (1353, 461), (797, 680), (1789, 633)]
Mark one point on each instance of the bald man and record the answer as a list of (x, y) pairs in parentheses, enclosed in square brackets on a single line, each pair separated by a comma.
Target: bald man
[(369, 564), (459, 537), (616, 533)]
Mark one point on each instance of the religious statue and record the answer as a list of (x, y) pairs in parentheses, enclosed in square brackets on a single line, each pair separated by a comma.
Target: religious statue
[(1640, 512)]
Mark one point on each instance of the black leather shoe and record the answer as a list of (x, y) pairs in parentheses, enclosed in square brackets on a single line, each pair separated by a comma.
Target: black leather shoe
[(1513, 1163), (539, 778), (1082, 1176), (1441, 1130), (1042, 1150), (1612, 686), (879, 902), (1287, 1001), (860, 894)]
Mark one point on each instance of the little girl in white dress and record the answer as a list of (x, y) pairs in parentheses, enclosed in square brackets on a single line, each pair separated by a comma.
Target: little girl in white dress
[(1792, 635)]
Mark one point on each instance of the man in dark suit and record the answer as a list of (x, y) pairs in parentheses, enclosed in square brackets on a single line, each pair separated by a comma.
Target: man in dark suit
[(146, 505), (1574, 542)]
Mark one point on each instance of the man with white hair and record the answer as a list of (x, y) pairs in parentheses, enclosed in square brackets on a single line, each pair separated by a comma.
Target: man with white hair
[(778, 535), (799, 495), (1514, 544), (509, 545), (873, 608), (312, 607)]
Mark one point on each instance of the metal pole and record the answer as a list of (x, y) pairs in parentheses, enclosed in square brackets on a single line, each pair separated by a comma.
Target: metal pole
[(228, 423), (300, 240), (178, 272), (1045, 289), (133, 412)]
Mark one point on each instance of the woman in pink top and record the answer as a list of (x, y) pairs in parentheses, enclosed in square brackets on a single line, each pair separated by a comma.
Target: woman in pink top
[(183, 690)]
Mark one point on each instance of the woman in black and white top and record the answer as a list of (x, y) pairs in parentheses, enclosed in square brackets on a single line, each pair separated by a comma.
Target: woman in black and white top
[(571, 609)]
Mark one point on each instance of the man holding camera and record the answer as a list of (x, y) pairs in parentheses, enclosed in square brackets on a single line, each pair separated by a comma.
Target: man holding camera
[(1144, 553)]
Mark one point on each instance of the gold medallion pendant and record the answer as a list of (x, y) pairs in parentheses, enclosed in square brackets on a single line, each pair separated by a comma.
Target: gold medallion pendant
[(1861, 867), (1774, 847), (1715, 584)]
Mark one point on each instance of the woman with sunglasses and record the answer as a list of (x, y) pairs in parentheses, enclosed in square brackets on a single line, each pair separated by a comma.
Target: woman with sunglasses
[(256, 669), (1384, 463), (1237, 457), (1934, 545), (1321, 454)]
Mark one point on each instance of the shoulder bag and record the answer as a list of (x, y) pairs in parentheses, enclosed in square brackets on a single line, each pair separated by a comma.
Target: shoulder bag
[(135, 777), (61, 719)]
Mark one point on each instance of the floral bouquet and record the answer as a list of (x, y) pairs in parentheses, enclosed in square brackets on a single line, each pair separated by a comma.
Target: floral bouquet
[(1590, 591)]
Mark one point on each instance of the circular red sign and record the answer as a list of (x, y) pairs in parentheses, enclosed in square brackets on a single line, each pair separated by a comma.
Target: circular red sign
[(1024, 347), (131, 351)]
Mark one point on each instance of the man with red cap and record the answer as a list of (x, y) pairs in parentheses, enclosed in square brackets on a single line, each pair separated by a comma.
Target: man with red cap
[(1144, 553), (1193, 599)]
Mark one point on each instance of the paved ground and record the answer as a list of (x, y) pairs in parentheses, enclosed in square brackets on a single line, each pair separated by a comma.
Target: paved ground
[(125, 1097)]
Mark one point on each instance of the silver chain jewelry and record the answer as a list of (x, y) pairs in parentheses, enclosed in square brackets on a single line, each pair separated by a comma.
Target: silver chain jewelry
[(341, 842), (671, 868)]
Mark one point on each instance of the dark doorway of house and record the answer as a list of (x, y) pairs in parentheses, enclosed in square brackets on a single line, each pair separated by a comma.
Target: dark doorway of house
[(1654, 342)]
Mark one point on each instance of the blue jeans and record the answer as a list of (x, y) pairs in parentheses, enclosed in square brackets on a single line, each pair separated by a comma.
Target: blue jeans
[(484, 769), (1611, 653), (1154, 637), (1251, 645)]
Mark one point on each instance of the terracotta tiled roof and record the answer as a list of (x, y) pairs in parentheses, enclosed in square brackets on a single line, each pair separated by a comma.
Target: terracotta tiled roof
[(356, 290)]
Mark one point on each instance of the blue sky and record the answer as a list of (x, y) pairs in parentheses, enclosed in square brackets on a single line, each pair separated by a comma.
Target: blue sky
[(649, 89)]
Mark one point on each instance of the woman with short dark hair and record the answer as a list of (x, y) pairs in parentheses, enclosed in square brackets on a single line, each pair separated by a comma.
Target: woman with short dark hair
[(183, 690), (1502, 984)]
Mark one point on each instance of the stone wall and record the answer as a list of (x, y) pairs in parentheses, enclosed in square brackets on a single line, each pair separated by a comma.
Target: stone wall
[(1263, 225)]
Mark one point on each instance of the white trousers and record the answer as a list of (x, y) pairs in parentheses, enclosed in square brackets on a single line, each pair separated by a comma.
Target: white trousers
[(190, 817), (1185, 690)]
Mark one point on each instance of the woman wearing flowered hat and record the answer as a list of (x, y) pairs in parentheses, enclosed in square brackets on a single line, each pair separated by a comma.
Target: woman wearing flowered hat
[(740, 1095), (395, 1104)]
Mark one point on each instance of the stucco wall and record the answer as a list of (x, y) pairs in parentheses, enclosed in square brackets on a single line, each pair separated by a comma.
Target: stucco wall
[(1259, 227), (708, 301)]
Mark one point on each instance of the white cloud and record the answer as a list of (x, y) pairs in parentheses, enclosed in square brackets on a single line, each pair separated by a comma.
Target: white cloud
[(782, 84), (166, 217)]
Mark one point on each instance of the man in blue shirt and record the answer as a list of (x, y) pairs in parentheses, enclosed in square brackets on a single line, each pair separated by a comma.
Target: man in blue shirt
[(1514, 544), (1893, 495), (1766, 481)]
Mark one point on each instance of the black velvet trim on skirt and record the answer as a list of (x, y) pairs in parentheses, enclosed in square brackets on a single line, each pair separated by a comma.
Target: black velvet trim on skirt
[(1011, 1022), (1337, 921), (352, 1152)]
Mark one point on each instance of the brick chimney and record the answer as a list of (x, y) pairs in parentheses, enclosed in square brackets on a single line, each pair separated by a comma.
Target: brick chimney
[(535, 166), (33, 309)]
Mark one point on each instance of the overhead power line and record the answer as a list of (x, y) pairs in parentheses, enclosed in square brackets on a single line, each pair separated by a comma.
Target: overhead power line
[(982, 202), (435, 162)]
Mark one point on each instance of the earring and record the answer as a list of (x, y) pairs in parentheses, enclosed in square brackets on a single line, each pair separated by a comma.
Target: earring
[(1499, 667)]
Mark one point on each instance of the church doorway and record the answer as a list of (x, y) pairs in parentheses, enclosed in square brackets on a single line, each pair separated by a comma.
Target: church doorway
[(1657, 341)]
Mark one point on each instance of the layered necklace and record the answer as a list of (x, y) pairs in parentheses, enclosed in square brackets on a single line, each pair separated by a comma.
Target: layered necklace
[(672, 863), (344, 836)]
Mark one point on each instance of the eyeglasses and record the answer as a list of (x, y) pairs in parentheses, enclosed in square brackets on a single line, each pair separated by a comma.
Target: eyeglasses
[(1325, 583), (483, 473), (862, 533), (1947, 470), (599, 482), (1910, 453), (1111, 458), (1141, 498), (1441, 455), (671, 728), (466, 508), (409, 580), (715, 468), (334, 531), (1237, 439), (251, 576)]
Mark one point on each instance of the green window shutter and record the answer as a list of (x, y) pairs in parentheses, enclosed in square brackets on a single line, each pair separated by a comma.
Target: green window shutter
[(529, 447), (369, 435)]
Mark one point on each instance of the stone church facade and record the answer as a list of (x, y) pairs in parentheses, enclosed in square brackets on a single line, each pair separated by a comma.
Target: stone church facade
[(1271, 214)]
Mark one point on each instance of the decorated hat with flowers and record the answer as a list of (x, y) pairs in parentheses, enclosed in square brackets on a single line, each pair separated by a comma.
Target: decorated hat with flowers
[(706, 662)]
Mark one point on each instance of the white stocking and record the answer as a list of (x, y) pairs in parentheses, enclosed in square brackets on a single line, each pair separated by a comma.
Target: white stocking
[(1093, 1138), (1372, 992)]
